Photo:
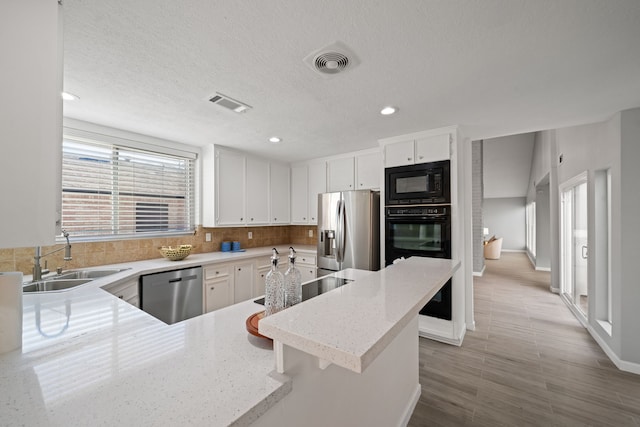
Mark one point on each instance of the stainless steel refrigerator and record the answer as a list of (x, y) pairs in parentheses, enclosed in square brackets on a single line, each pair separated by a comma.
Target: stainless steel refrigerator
[(348, 231)]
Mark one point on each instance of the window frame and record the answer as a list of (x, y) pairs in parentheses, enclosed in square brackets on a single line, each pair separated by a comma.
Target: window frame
[(114, 143)]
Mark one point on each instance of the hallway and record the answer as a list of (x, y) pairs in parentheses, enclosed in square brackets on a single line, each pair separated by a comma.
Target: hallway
[(529, 362)]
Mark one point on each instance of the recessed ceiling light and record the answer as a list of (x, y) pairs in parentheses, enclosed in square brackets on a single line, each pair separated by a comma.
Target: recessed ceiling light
[(274, 140), (69, 96), (386, 111)]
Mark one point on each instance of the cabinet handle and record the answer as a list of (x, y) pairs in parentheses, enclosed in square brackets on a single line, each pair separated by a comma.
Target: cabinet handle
[(313, 219), (275, 219), (409, 159), (213, 288), (239, 269), (121, 296), (304, 218), (241, 219), (421, 157), (251, 219)]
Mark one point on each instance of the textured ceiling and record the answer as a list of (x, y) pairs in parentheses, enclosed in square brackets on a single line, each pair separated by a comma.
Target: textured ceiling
[(494, 67)]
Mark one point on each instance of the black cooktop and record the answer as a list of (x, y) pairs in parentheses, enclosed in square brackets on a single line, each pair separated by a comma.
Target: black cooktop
[(317, 287)]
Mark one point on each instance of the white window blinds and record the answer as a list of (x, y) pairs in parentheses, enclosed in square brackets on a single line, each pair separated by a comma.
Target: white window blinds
[(112, 190)]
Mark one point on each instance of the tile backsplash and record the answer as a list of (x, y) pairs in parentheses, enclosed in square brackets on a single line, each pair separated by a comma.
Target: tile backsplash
[(90, 254)]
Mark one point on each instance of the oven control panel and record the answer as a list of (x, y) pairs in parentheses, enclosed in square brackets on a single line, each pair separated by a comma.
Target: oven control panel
[(397, 211)]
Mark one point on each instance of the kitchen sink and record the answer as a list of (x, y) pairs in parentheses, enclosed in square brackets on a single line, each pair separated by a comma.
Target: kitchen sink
[(53, 285), (87, 274)]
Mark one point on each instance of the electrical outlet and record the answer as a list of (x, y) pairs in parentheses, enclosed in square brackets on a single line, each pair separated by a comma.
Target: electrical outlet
[(207, 237), (251, 235), (310, 233)]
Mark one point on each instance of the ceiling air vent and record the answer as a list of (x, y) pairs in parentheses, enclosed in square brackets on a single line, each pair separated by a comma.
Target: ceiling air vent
[(230, 103), (331, 60)]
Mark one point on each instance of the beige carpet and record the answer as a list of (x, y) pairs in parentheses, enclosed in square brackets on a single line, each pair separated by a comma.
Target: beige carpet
[(529, 362)]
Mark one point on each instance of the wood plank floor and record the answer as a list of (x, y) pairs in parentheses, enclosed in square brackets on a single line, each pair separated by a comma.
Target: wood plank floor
[(529, 362)]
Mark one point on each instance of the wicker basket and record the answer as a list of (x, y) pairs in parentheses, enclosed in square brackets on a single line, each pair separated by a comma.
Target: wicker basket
[(175, 253)]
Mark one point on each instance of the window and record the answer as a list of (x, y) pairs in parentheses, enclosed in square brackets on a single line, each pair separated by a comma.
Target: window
[(113, 188)]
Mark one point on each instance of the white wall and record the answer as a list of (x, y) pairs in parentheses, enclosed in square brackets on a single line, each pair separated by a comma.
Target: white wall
[(505, 218), (506, 165), (614, 145), (630, 242)]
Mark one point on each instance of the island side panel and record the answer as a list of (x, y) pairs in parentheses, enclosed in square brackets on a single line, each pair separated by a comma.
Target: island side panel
[(384, 394)]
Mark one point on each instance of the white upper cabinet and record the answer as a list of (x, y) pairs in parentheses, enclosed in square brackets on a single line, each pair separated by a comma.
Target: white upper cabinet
[(432, 148), (340, 174), (230, 188), (280, 194), (399, 154), (243, 190), (299, 195), (317, 185), (257, 194), (307, 181), (31, 124), (369, 169), (422, 150)]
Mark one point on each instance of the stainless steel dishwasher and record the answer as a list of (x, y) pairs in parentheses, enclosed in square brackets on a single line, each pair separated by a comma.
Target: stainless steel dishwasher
[(172, 296)]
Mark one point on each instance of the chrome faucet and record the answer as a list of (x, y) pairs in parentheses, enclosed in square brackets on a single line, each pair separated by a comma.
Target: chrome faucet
[(37, 268)]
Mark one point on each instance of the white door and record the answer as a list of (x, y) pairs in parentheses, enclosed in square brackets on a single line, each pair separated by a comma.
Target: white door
[(574, 242)]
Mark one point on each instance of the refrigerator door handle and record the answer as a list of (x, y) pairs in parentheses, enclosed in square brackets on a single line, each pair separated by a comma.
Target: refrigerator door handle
[(340, 238)]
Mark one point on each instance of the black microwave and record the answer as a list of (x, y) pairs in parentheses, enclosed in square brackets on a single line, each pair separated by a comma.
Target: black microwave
[(424, 183)]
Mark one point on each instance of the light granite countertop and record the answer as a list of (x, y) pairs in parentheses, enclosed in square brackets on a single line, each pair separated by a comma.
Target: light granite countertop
[(89, 358), (350, 326)]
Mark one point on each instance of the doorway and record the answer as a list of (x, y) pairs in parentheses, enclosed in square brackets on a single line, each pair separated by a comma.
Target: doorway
[(574, 245)]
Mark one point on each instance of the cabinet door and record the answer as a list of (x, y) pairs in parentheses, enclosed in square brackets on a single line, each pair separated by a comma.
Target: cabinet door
[(369, 171), (230, 188), (31, 128), (243, 282), (217, 293), (258, 285), (399, 154), (299, 195), (317, 185), (280, 194), (432, 149), (257, 192), (340, 175), (307, 273)]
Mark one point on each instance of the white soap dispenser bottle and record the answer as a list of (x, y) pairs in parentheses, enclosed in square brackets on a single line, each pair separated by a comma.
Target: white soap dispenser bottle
[(274, 287), (292, 281)]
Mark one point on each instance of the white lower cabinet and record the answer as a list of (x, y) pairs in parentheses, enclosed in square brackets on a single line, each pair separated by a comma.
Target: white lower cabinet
[(243, 281), (218, 286), (217, 294), (263, 265), (307, 266), (127, 291), (233, 282)]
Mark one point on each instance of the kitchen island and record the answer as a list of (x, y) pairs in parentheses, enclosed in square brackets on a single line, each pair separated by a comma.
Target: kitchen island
[(123, 366)]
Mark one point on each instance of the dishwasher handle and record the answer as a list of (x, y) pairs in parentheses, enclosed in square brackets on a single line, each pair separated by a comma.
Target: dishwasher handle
[(180, 279)]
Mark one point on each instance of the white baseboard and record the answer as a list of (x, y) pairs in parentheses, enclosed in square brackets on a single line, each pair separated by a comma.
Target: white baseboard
[(411, 406), (441, 330), (471, 326), (554, 290), (479, 273), (623, 365), (543, 269), (514, 250)]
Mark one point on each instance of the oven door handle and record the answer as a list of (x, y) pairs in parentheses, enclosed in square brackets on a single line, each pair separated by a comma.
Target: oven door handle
[(340, 236)]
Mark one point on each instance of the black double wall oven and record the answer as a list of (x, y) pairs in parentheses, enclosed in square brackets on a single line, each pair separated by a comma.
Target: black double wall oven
[(418, 221)]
